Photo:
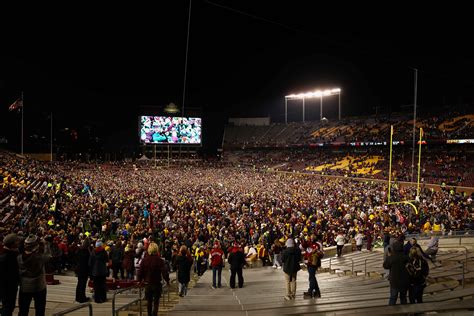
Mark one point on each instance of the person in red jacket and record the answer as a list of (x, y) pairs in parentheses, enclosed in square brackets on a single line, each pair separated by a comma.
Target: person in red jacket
[(152, 269), (63, 246), (313, 255), (217, 262)]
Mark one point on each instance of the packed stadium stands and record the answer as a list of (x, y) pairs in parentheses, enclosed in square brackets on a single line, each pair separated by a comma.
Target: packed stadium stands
[(359, 147)]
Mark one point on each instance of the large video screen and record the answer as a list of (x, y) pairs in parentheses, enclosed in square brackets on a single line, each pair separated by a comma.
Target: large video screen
[(170, 130)]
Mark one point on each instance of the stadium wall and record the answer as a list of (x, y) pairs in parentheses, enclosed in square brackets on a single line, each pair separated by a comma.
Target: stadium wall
[(437, 187), (40, 156), (252, 121)]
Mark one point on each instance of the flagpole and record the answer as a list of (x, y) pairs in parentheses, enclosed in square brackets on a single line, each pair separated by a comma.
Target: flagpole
[(51, 156), (22, 110)]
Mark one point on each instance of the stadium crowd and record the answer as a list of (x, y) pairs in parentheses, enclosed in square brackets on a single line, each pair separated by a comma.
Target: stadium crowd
[(122, 209)]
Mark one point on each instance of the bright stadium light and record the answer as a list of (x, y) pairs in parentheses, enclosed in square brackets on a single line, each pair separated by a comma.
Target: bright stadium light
[(311, 95)]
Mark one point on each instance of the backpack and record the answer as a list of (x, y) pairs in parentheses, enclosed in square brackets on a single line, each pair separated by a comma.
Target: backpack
[(314, 259), (316, 256)]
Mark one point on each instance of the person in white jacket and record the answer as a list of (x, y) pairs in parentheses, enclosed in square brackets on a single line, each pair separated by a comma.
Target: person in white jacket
[(340, 241), (359, 239)]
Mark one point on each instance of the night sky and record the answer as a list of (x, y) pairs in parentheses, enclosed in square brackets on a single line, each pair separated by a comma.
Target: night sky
[(96, 67)]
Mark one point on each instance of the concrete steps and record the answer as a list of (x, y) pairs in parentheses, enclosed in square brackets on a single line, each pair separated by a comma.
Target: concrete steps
[(264, 290), (62, 296)]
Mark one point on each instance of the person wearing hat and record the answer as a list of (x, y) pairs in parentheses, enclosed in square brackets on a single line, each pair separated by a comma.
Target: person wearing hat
[(98, 269), (291, 258), (32, 275), (9, 273), (313, 255), (236, 260)]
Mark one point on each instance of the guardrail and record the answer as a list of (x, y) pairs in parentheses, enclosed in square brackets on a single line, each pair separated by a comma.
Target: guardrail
[(75, 308), (455, 234), (464, 247), (365, 264), (352, 263), (139, 300)]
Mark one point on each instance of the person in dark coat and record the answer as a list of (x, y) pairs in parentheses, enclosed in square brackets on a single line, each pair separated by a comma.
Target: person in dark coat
[(9, 273), (98, 269), (128, 264), (418, 270), (116, 255), (291, 258), (82, 271), (152, 269), (236, 261), (184, 263), (32, 275), (396, 262)]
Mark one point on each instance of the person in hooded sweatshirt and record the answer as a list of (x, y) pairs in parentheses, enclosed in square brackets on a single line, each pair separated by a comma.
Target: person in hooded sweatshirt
[(396, 262), (82, 271), (98, 268), (32, 275), (236, 261), (9, 273), (291, 258)]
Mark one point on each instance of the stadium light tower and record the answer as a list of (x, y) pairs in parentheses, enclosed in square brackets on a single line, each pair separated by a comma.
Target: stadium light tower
[(311, 95)]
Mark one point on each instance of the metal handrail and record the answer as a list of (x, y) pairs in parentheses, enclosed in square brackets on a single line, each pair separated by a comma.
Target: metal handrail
[(465, 248), (139, 299), (352, 268), (365, 264), (75, 308), (455, 234), (463, 266)]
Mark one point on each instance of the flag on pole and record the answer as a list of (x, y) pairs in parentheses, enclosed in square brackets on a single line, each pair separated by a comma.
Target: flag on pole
[(16, 105)]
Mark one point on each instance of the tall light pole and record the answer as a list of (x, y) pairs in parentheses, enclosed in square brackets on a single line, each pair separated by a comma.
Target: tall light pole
[(311, 95), (414, 126), (303, 109), (321, 108), (339, 105)]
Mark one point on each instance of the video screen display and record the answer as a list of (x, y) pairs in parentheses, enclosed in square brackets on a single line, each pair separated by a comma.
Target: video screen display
[(170, 130)]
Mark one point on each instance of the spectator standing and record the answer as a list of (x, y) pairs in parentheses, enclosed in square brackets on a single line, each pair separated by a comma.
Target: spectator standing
[(291, 258), (340, 241), (313, 256), (276, 250), (184, 263), (152, 269), (237, 261), (82, 271), (116, 254), (32, 275), (359, 238), (396, 262), (9, 273), (217, 263), (128, 262), (98, 268), (418, 270)]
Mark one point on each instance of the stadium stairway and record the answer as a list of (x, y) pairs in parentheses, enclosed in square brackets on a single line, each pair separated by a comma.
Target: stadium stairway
[(61, 297), (343, 292), (352, 284)]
